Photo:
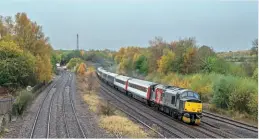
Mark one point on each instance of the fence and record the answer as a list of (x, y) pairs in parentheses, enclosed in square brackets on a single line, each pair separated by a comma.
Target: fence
[(6, 105)]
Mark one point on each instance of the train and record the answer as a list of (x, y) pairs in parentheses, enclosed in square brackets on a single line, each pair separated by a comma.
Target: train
[(180, 103)]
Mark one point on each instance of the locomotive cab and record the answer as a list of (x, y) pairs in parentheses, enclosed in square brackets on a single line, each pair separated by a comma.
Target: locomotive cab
[(190, 107)]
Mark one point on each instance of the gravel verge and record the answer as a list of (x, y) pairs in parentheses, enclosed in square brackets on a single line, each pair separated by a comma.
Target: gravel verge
[(21, 127), (89, 120)]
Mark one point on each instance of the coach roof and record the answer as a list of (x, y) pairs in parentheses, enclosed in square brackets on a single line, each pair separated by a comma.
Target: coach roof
[(143, 82)]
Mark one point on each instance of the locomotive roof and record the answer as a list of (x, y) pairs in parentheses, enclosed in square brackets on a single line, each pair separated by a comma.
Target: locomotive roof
[(138, 81), (169, 87), (175, 90)]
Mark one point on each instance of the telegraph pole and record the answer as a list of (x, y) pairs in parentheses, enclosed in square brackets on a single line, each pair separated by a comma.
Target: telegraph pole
[(77, 42)]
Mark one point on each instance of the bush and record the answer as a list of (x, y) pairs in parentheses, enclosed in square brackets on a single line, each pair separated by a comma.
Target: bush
[(73, 62), (222, 90), (253, 106), (106, 109), (234, 93), (21, 102), (242, 94), (255, 74), (202, 84), (81, 69)]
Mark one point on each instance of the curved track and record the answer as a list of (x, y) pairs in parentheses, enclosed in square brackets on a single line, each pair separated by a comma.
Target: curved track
[(163, 123), (199, 131), (41, 127), (69, 113), (40, 110)]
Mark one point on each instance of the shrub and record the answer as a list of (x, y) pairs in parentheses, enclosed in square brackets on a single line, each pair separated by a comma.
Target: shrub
[(73, 62), (242, 94), (234, 93), (81, 68), (202, 84), (180, 81), (222, 90), (255, 74), (253, 106), (21, 102), (105, 109)]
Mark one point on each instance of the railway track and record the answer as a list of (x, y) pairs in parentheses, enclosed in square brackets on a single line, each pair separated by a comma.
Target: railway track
[(230, 121), (149, 115), (208, 132), (69, 113), (140, 121), (40, 110), (171, 132)]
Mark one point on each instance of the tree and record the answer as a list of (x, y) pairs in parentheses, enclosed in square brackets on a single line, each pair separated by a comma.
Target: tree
[(81, 68), (166, 61), (17, 66), (74, 62), (141, 64), (189, 59), (29, 36), (185, 55), (254, 50)]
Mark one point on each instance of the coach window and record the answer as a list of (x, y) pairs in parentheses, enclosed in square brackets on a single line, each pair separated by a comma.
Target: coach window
[(173, 100)]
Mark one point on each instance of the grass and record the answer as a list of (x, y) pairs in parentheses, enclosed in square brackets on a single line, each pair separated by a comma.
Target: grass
[(92, 100), (122, 126)]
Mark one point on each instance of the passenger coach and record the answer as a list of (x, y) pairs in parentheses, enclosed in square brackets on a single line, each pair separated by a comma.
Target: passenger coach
[(140, 89), (121, 83)]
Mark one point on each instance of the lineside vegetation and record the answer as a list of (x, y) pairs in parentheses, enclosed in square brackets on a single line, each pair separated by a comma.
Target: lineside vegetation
[(110, 119), (223, 84)]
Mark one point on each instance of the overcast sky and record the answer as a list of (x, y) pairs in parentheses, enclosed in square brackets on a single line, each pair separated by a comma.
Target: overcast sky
[(224, 25)]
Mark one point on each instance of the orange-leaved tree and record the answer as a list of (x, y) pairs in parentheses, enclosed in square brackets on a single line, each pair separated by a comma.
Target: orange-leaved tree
[(81, 68)]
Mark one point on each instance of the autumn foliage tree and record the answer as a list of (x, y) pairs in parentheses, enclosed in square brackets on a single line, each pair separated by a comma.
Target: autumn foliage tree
[(81, 68), (17, 66), (166, 61), (28, 39)]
